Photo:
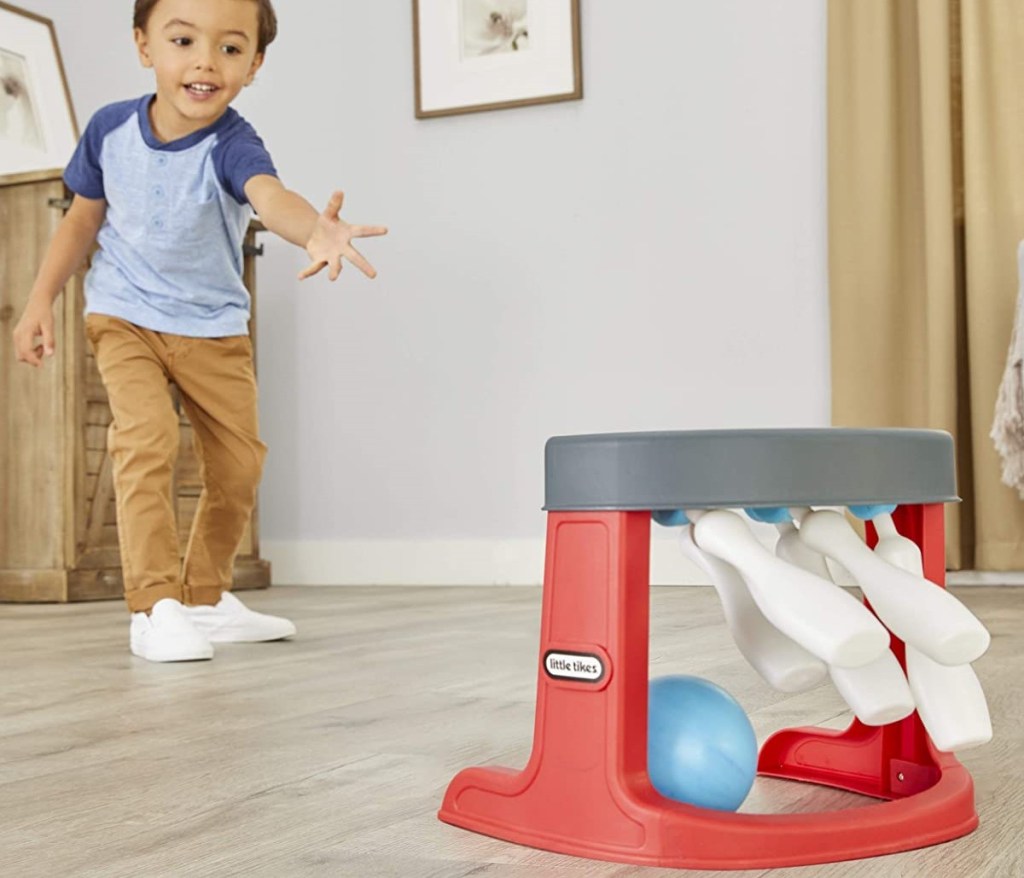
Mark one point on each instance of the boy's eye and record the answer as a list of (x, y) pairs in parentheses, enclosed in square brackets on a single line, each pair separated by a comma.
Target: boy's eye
[(232, 50), (182, 41)]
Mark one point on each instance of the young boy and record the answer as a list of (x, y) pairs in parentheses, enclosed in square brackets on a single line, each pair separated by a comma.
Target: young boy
[(165, 184)]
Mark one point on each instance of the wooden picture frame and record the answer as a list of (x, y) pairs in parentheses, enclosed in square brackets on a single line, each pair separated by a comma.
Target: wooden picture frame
[(476, 55), (38, 129)]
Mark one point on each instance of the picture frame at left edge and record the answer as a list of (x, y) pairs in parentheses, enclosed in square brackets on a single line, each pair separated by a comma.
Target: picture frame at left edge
[(572, 55), (38, 127)]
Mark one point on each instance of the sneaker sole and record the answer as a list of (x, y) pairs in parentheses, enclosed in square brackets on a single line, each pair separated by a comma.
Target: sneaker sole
[(196, 655), (241, 637)]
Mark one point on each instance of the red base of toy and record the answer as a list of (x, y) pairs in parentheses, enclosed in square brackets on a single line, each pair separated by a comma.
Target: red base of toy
[(585, 790)]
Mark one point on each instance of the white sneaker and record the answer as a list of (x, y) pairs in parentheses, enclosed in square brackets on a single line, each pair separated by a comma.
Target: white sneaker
[(168, 635), (231, 621)]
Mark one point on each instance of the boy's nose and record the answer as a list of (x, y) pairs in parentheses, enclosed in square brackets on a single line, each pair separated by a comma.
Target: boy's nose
[(205, 61)]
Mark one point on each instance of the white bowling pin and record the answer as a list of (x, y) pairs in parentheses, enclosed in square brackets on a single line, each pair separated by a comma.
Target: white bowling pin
[(915, 610), (794, 550), (825, 620), (877, 692), (783, 664), (950, 700)]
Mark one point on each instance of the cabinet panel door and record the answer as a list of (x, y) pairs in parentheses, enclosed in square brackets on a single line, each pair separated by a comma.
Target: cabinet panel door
[(33, 433)]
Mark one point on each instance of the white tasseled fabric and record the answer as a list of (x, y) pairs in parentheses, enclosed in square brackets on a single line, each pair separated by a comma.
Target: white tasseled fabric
[(1008, 426)]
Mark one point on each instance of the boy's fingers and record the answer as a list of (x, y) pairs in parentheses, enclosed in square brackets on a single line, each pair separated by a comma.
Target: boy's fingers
[(334, 205), (335, 269), (24, 350), (359, 261), (311, 269), (368, 231), (30, 356), (47, 334)]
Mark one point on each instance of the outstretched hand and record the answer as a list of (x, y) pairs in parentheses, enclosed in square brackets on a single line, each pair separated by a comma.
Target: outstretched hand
[(332, 239)]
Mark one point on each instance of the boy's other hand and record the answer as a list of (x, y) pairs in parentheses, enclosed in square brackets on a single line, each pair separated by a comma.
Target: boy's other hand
[(33, 336), (332, 239)]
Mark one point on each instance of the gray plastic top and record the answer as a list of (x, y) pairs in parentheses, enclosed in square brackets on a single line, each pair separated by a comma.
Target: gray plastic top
[(702, 469)]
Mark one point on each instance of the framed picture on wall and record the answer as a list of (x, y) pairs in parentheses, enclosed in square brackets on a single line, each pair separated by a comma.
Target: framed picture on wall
[(473, 55), (38, 131)]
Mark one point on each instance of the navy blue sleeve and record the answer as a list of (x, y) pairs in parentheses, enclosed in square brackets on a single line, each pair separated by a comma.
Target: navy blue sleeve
[(84, 173), (240, 156)]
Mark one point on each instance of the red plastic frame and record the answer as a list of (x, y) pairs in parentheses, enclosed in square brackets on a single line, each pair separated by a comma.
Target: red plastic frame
[(585, 789)]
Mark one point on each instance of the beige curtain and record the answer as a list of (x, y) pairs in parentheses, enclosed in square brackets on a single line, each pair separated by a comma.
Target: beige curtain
[(926, 206)]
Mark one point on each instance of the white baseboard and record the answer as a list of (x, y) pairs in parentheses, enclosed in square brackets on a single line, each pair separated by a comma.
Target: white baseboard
[(489, 562), (985, 577), (440, 562)]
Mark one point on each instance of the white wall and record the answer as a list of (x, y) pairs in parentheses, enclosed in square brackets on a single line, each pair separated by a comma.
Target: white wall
[(652, 257)]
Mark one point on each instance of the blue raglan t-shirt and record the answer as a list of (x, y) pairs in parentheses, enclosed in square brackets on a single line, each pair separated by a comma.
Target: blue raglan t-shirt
[(170, 256)]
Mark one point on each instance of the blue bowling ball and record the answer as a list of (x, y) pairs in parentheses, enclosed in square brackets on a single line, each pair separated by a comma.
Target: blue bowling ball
[(701, 747)]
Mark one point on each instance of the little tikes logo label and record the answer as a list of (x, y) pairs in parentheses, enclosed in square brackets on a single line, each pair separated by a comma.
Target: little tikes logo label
[(583, 667)]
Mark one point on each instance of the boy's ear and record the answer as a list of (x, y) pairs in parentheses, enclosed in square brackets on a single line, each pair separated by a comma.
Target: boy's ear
[(142, 44), (257, 63)]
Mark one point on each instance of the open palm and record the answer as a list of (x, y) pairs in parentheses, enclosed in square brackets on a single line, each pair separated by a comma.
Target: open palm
[(331, 241)]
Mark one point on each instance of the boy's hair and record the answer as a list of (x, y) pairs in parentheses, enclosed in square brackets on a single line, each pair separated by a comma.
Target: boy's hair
[(268, 20)]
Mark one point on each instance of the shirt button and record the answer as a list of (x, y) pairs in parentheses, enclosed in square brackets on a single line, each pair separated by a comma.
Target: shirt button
[(158, 223), (161, 160), (158, 191)]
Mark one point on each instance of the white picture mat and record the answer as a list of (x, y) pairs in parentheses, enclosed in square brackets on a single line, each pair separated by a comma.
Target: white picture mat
[(546, 68), (31, 39)]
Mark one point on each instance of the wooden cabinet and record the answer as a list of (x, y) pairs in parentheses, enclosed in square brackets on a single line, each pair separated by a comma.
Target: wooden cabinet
[(58, 531)]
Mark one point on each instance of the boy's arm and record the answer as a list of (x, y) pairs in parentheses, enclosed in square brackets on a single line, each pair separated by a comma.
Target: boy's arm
[(68, 249), (325, 236)]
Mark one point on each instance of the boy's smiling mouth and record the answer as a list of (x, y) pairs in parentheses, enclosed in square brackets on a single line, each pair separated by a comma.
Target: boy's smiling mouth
[(201, 89)]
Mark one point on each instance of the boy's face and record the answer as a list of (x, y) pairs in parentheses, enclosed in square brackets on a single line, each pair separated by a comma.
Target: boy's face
[(203, 53)]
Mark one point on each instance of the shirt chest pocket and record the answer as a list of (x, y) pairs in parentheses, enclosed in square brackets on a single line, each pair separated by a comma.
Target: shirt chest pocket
[(187, 227)]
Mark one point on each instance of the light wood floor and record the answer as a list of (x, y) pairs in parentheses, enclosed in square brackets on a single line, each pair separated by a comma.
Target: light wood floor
[(329, 755)]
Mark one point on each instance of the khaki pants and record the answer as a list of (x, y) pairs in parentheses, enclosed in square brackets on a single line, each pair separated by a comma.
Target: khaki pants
[(217, 385)]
